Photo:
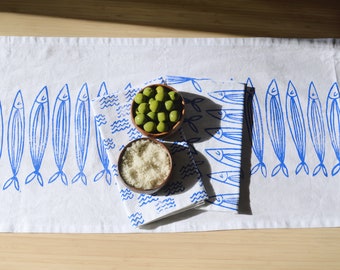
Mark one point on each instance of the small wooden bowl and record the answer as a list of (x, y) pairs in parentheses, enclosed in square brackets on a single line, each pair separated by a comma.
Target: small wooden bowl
[(174, 126), (122, 159)]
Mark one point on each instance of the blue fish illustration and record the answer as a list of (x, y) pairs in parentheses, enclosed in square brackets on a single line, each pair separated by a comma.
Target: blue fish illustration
[(1, 130), (229, 135), (38, 133), (316, 128), (228, 115), (228, 96), (296, 125), (226, 177), (253, 120), (15, 139), (333, 122), (275, 126), (82, 131), (228, 200), (61, 132), (101, 148), (180, 79), (194, 103), (190, 122), (227, 156)]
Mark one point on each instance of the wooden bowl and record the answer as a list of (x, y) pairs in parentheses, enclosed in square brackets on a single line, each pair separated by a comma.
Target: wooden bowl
[(145, 165), (172, 126)]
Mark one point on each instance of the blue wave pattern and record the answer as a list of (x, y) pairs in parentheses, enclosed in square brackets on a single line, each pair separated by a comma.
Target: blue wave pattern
[(119, 125), (198, 196), (165, 204), (100, 119), (136, 219), (126, 194), (174, 188), (109, 101), (145, 199)]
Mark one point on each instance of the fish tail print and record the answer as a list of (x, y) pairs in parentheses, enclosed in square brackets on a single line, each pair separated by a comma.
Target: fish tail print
[(255, 127), (302, 165), (61, 132), (1, 130), (82, 131), (296, 125), (333, 122), (35, 175), (260, 166), (275, 126), (81, 175), (38, 133), (61, 175), (316, 128), (15, 139), (106, 174)]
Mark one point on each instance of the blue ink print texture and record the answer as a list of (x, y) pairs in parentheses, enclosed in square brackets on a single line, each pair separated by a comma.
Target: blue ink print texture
[(15, 139), (38, 133), (296, 126), (275, 126), (333, 122), (82, 131), (316, 128), (101, 146), (61, 132)]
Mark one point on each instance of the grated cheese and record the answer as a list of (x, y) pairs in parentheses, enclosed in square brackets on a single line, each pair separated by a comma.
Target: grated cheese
[(145, 164)]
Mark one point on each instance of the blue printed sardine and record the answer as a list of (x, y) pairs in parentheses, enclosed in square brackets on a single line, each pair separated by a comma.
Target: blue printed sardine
[(296, 125), (15, 139), (61, 132), (38, 133), (82, 131), (275, 126), (333, 122), (316, 128)]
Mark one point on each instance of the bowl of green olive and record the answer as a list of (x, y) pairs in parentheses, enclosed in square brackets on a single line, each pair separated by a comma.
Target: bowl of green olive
[(157, 110)]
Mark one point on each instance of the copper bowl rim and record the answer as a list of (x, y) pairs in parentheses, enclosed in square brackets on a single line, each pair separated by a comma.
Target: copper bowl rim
[(159, 134)]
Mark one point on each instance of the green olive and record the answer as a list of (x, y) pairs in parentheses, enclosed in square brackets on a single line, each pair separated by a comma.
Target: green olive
[(140, 119), (162, 116), (148, 92), (162, 127), (160, 96), (160, 89), (139, 98), (173, 95), (169, 104), (149, 126), (143, 108), (152, 115), (174, 116), (154, 106)]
